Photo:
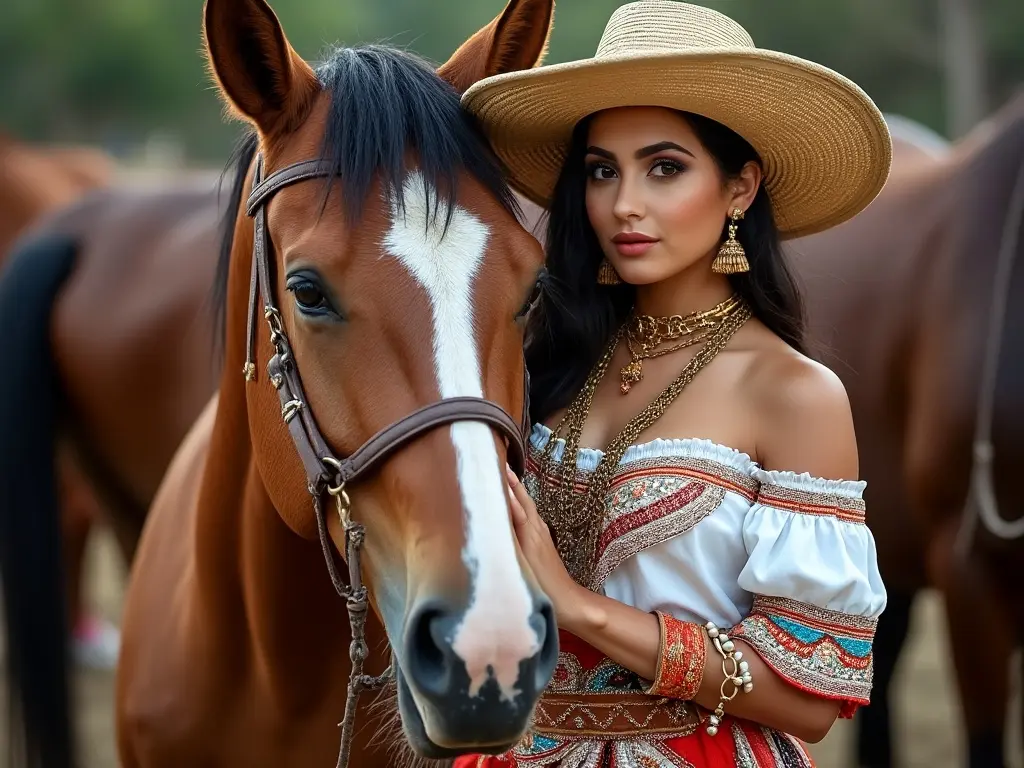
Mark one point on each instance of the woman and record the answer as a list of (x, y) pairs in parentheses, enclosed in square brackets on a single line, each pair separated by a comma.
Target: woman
[(706, 553)]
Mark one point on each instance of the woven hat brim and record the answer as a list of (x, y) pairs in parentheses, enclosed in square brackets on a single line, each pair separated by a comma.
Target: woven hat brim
[(824, 144)]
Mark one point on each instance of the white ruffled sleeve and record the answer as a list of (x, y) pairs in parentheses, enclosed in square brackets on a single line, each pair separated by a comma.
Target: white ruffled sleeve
[(813, 570)]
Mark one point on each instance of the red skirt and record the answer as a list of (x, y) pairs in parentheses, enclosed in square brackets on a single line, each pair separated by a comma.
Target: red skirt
[(595, 714)]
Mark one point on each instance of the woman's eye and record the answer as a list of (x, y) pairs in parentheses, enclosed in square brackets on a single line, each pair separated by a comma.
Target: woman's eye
[(308, 296), (666, 168), (601, 172)]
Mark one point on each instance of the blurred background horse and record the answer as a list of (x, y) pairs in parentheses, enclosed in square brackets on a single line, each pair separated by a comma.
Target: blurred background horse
[(899, 304), (34, 180)]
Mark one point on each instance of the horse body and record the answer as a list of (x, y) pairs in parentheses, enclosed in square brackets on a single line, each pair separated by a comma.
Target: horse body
[(34, 180), (121, 357), (900, 298), (862, 284)]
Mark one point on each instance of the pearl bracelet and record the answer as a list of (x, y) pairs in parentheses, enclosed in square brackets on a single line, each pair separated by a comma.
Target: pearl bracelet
[(736, 671)]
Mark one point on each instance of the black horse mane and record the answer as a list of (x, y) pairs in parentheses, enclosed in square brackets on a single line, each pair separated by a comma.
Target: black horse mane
[(385, 102)]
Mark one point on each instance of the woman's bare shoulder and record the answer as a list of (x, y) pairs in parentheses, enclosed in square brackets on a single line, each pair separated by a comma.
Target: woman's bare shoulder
[(802, 411)]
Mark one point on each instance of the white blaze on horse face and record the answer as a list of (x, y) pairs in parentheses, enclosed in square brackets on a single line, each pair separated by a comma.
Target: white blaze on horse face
[(495, 635)]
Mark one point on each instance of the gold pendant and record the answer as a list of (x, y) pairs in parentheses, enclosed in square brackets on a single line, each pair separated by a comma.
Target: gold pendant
[(631, 374)]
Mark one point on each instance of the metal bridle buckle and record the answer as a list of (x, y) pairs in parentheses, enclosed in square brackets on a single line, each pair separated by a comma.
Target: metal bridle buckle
[(341, 497), (273, 318)]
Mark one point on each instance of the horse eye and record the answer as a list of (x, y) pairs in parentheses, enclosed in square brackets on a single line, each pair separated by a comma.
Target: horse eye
[(309, 297), (534, 295)]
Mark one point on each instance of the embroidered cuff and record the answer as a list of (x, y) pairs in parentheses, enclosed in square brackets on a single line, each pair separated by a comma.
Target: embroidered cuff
[(681, 658), (823, 652)]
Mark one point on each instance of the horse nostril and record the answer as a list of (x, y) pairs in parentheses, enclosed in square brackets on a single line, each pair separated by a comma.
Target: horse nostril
[(428, 648)]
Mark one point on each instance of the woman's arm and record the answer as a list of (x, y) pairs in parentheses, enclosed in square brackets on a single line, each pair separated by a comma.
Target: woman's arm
[(632, 638)]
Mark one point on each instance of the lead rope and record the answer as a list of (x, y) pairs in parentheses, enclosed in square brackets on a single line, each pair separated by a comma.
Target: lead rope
[(982, 503), (357, 602)]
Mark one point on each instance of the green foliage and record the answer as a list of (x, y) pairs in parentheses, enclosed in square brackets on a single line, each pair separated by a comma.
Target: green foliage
[(117, 71)]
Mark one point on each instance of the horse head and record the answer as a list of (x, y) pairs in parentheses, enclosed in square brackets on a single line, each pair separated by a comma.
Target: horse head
[(401, 280)]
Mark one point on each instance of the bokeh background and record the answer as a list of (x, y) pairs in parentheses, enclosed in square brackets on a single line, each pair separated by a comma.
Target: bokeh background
[(128, 77)]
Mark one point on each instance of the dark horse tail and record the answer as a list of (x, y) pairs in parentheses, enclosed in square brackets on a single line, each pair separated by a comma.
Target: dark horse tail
[(41, 733)]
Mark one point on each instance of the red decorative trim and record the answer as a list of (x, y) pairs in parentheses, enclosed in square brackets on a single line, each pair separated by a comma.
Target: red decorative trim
[(847, 509), (681, 659), (628, 523)]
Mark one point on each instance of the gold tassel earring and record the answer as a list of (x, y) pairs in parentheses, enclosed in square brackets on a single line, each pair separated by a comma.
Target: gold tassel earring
[(731, 257), (606, 274)]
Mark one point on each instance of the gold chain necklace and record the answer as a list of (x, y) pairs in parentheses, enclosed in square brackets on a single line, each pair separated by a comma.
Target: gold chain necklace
[(577, 519), (645, 333)]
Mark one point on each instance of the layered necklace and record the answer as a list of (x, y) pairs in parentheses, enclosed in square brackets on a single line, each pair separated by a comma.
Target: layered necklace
[(577, 518), (644, 334)]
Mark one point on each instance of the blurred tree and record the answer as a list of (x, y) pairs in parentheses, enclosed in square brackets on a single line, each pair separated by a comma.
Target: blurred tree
[(964, 60), (119, 71)]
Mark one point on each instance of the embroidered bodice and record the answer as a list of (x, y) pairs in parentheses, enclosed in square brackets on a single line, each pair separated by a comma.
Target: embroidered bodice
[(696, 529), (699, 531)]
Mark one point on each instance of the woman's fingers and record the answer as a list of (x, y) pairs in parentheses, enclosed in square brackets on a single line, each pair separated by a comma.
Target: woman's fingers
[(519, 517), (521, 494)]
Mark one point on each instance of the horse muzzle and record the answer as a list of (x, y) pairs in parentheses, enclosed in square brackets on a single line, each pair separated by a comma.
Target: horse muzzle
[(457, 697)]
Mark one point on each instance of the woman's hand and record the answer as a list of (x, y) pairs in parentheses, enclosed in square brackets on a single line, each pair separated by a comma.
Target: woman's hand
[(540, 552)]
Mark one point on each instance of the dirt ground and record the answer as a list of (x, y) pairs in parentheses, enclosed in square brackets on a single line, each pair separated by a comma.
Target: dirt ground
[(931, 736)]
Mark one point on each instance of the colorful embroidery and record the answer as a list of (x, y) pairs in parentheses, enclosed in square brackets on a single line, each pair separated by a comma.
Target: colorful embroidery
[(596, 754), (846, 508), (646, 755), (824, 652), (606, 677), (656, 511), (683, 655), (758, 747)]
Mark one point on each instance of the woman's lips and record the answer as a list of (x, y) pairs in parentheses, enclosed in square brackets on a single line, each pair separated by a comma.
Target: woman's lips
[(637, 248), (633, 243)]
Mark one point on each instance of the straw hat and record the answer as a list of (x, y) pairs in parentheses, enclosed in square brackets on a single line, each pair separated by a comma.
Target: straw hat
[(824, 145)]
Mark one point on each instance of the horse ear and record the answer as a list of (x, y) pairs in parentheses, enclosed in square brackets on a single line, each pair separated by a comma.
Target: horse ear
[(260, 75), (517, 39)]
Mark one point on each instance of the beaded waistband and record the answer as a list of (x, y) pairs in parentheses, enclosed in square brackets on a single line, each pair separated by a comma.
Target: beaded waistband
[(613, 716)]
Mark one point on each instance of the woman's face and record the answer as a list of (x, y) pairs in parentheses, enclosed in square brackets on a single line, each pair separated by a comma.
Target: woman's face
[(655, 197)]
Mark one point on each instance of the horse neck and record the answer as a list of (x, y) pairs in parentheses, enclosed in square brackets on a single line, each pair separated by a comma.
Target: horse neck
[(260, 586)]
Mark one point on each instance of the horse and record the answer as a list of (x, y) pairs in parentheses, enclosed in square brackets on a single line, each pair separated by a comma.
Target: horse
[(517, 38), (36, 180), (899, 302)]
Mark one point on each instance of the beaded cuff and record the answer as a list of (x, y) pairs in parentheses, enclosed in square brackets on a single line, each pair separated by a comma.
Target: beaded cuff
[(823, 652), (681, 659)]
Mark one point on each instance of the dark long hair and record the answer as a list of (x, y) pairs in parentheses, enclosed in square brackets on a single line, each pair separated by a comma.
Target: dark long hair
[(575, 317)]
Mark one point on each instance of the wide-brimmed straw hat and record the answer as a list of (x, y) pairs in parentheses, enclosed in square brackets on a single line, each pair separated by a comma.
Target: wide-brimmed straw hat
[(823, 143)]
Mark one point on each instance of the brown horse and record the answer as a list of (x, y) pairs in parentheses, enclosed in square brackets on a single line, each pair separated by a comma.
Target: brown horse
[(103, 300), (900, 299), (403, 289), (35, 180), (127, 392)]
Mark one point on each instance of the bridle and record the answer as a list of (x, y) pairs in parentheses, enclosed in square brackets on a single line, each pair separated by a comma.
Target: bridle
[(326, 474)]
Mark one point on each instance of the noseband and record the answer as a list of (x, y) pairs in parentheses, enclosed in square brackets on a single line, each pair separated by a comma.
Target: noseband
[(325, 472)]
